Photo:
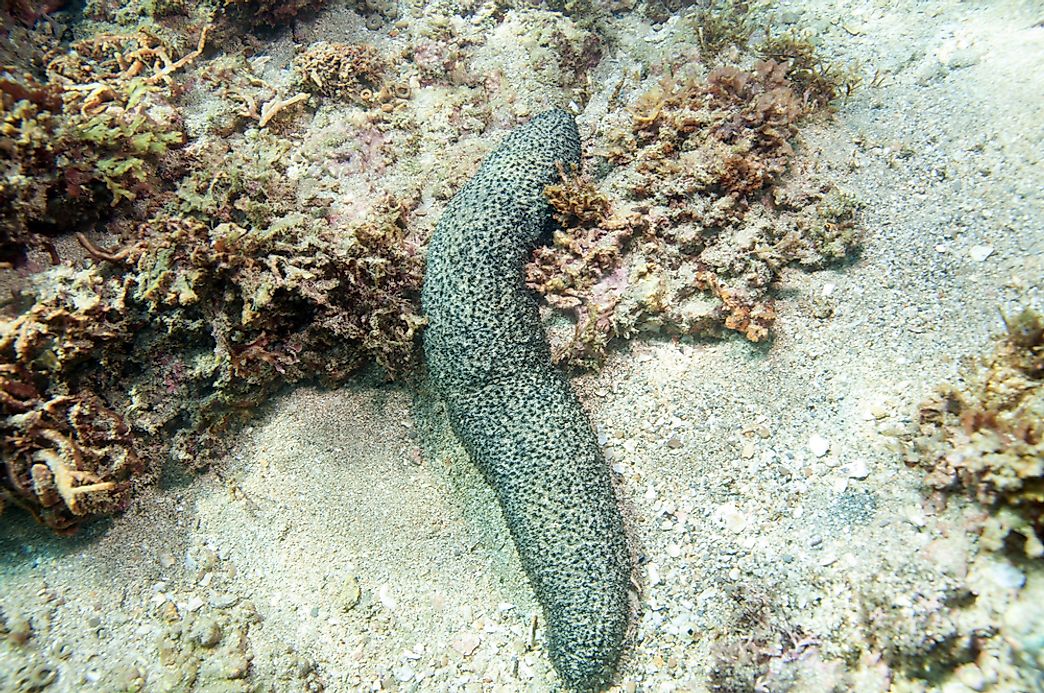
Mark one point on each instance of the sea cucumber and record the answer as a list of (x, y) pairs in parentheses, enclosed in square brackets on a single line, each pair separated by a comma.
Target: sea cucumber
[(517, 416)]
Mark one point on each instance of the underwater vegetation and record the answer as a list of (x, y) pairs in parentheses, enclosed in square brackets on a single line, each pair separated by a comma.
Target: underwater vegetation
[(67, 453), (188, 294), (180, 331), (986, 440), (704, 220), (186, 231), (91, 136)]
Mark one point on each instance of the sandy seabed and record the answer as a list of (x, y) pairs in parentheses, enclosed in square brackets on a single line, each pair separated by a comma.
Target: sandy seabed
[(781, 543)]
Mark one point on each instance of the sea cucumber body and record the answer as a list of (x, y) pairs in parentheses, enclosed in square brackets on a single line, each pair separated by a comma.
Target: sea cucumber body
[(516, 415)]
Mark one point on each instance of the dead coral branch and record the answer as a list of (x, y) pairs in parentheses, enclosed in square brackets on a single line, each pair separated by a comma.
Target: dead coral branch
[(270, 109)]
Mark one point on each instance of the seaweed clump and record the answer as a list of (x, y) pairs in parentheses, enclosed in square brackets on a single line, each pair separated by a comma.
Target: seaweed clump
[(91, 137), (271, 13), (580, 271), (351, 73), (987, 439), (706, 219), (28, 124), (158, 347), (67, 453), (721, 25), (820, 82), (301, 299), (748, 117)]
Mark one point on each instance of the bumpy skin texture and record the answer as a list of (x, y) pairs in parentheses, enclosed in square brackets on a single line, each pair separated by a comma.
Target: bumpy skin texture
[(516, 414)]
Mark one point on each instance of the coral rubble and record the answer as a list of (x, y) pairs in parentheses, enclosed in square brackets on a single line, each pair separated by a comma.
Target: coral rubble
[(702, 220), (987, 439), (67, 453), (271, 12), (189, 292)]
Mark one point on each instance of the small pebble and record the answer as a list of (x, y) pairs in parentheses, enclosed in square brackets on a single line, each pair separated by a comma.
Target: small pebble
[(878, 411), (235, 666), (384, 596), (18, 629), (62, 649), (169, 612), (350, 593), (206, 632), (979, 253), (223, 600), (916, 517), (818, 445), (971, 676), (731, 517), (466, 643), (858, 470)]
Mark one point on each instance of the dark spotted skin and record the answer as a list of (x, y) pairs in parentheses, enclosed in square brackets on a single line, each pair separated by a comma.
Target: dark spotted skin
[(516, 415)]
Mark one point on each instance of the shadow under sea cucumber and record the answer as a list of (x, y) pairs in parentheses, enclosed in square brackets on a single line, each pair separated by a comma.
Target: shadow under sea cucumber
[(516, 415)]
